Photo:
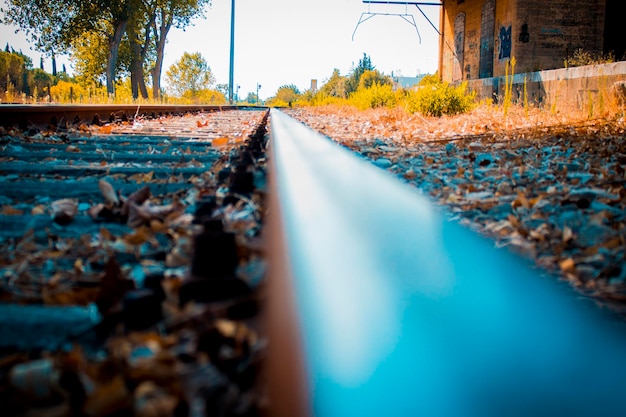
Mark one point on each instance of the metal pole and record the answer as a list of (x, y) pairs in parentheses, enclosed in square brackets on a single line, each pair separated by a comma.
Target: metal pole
[(231, 75)]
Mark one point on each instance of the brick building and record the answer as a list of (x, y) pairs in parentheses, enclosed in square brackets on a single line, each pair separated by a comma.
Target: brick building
[(480, 36)]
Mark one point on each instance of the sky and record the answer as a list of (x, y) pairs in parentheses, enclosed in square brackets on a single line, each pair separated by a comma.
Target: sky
[(283, 42)]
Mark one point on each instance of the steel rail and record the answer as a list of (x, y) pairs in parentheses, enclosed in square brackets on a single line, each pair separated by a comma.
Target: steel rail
[(387, 308), (26, 115)]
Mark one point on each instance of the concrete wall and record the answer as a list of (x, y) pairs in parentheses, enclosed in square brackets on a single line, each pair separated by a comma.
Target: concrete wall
[(591, 88)]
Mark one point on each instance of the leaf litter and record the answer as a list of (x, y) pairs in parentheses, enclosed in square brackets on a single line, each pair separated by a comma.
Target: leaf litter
[(114, 281), (548, 186)]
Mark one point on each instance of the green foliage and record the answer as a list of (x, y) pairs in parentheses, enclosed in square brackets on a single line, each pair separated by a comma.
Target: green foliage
[(223, 88), (365, 64), (189, 75), (12, 69), (336, 86), (205, 96), (374, 96), (252, 98), (581, 57), (371, 77), (509, 75), (60, 26), (285, 96), (89, 59), (67, 92), (39, 82), (430, 79), (319, 99), (276, 102), (439, 99)]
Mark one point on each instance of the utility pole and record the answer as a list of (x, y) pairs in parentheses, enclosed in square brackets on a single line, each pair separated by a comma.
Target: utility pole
[(231, 75)]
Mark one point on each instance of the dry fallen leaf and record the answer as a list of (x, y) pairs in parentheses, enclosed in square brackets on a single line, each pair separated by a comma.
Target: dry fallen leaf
[(567, 265), (108, 192), (38, 210), (105, 130), (217, 142), (64, 210), (567, 234), (11, 211)]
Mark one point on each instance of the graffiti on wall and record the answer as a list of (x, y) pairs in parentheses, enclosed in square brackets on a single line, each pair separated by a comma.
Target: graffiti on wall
[(487, 31), (459, 46), (505, 42)]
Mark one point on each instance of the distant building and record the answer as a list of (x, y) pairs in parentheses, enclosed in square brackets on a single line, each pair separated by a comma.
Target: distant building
[(406, 82), (481, 36)]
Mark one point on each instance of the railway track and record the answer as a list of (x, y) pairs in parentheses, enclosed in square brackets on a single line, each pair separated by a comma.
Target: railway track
[(374, 303), (114, 237)]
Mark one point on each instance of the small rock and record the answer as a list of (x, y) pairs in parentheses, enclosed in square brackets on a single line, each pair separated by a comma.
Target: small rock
[(593, 193), (479, 195), (383, 163), (474, 146)]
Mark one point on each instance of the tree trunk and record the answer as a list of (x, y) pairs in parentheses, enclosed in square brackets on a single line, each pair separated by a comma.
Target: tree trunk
[(137, 79), (166, 24), (114, 45)]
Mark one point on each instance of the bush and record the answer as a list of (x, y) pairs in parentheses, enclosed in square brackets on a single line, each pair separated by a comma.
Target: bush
[(208, 96), (66, 92), (276, 102), (582, 57), (437, 99), (320, 98), (375, 96)]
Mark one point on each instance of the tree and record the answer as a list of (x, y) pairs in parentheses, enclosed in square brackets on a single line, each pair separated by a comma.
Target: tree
[(371, 77), (365, 64), (189, 75), (12, 71), (335, 86), (138, 35), (252, 98), (40, 81), (288, 94), (89, 58), (56, 25), (168, 13)]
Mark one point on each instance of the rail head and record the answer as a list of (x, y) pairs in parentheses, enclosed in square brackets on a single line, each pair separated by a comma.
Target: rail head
[(401, 312), (42, 115)]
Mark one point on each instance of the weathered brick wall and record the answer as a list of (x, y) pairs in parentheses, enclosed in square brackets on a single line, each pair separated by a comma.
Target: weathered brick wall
[(539, 34), (555, 30)]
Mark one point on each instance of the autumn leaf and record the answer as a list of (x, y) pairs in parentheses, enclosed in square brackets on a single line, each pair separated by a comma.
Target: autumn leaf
[(106, 130), (521, 200), (64, 210), (137, 238), (72, 148), (108, 192), (567, 265), (567, 234), (37, 210), (11, 211), (113, 286), (218, 142), (142, 177), (106, 235)]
